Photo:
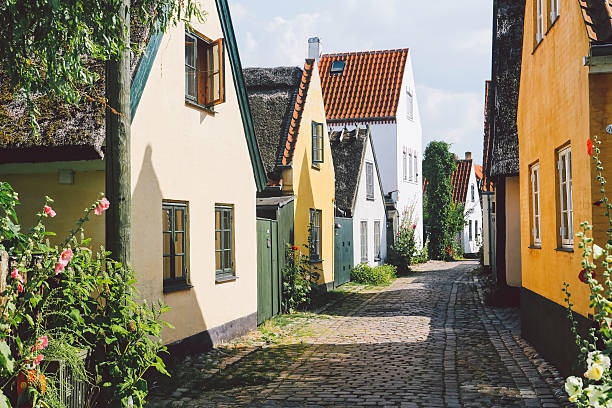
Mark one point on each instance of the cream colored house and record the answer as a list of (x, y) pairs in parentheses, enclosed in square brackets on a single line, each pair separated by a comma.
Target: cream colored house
[(195, 170)]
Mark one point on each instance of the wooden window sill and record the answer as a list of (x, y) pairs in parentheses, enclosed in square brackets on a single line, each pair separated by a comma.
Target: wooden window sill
[(176, 287), (224, 279), (552, 24), (193, 104), (535, 247), (370, 198), (316, 166), (565, 249)]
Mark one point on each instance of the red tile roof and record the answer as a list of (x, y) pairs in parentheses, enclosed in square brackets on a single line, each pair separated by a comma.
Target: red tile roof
[(461, 180), (368, 88), (597, 16), (480, 178)]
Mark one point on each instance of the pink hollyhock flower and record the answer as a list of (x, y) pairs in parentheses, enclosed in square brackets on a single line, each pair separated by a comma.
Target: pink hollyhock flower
[(66, 256), (49, 211), (413, 226), (102, 206), (15, 275), (59, 268), (19, 287), (38, 359), (42, 342)]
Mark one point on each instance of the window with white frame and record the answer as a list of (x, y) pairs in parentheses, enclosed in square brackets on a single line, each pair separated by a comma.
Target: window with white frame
[(377, 240), (473, 192), (470, 231), (410, 165), (369, 180), (364, 241), (539, 14), (416, 167), (535, 206), (405, 164), (409, 103), (317, 143), (554, 11), (566, 210)]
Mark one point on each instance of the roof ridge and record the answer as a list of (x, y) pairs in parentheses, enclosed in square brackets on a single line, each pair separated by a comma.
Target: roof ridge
[(365, 52)]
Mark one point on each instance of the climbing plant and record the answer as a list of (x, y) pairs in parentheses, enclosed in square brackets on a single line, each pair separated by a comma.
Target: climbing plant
[(438, 167)]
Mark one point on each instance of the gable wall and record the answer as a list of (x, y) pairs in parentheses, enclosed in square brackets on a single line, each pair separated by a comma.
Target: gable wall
[(472, 212), (370, 211)]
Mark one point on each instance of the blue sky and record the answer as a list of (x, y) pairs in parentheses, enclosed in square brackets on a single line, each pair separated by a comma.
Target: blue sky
[(450, 42)]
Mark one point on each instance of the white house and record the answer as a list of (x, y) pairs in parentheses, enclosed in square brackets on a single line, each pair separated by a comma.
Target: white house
[(377, 88), (195, 169), (359, 193), (466, 191)]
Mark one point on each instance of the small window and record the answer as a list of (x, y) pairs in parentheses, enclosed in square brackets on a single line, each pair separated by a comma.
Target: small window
[(476, 231), (224, 242), (377, 240), (554, 12), (364, 241), (204, 70), (539, 21), (473, 192), (416, 167), (566, 210), (409, 104), (369, 180), (315, 235), (405, 164), (470, 231), (535, 206), (174, 234), (317, 143), (337, 67)]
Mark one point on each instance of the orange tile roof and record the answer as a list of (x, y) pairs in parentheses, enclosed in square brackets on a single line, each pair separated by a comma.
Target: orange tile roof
[(597, 16), (368, 88), (461, 180), (478, 171)]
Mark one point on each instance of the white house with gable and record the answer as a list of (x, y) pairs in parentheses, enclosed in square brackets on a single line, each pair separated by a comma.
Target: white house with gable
[(466, 191), (376, 88)]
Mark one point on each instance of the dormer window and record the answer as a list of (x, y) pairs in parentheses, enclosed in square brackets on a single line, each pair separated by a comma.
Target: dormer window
[(204, 69), (337, 67)]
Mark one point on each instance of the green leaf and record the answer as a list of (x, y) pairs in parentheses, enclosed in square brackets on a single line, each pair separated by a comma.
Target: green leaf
[(6, 357), (4, 401), (76, 316)]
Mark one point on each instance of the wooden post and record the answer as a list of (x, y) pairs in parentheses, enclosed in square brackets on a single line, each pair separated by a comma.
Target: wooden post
[(117, 155)]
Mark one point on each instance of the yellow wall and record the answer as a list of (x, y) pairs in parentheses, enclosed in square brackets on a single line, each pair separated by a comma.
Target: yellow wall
[(178, 153), (313, 187), (554, 110)]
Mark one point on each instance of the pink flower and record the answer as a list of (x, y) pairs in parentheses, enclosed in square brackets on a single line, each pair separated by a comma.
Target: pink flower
[(38, 359), (19, 287), (413, 226), (15, 275), (590, 147), (65, 257), (42, 342), (59, 268), (49, 211), (102, 206)]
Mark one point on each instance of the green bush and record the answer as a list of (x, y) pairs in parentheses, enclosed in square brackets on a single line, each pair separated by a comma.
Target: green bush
[(380, 275), (300, 279)]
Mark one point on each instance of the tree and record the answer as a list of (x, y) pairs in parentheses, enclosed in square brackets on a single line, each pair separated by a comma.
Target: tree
[(51, 47), (438, 167)]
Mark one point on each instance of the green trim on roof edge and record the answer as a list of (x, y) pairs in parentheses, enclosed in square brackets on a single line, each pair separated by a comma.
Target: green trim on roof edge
[(243, 101), (142, 72)]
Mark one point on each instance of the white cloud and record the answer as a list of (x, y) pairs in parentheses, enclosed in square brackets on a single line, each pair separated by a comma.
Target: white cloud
[(454, 117), (478, 40), (239, 12), (251, 42), (289, 37)]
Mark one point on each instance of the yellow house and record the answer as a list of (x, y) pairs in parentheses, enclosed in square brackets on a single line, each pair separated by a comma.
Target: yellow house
[(289, 117), (565, 98), (195, 173)]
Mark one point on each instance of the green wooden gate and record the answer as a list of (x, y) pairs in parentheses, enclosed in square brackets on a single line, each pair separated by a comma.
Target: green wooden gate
[(268, 272), (343, 250)]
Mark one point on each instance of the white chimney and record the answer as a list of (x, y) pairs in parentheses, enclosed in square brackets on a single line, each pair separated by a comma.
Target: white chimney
[(314, 48), (468, 155)]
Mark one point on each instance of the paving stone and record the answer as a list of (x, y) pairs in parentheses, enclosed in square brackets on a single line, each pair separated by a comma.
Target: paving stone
[(427, 340)]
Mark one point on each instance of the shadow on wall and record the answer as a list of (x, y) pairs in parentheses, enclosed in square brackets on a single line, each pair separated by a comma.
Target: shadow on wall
[(304, 202), (186, 313)]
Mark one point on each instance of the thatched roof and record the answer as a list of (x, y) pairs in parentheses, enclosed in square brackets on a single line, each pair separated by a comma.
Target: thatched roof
[(277, 97), (66, 132), (507, 53)]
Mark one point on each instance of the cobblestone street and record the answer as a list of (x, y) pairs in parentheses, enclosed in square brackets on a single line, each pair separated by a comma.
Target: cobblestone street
[(425, 341)]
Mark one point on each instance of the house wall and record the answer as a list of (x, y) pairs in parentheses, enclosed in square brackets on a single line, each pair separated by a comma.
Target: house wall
[(314, 187), (180, 152), (488, 229), (370, 211), (472, 212), (513, 232), (553, 110)]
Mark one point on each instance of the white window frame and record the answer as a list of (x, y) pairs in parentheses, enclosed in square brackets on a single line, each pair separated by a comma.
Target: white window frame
[(369, 180), (409, 104), (536, 215), (470, 236), (554, 11), (566, 209), (476, 231), (416, 166), (377, 240), (539, 21), (405, 164), (363, 237), (473, 192)]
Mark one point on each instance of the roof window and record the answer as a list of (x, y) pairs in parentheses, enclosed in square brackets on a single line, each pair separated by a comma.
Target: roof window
[(337, 67)]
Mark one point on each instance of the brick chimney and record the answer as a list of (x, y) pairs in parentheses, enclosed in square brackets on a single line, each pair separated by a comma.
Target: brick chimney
[(468, 155), (314, 48)]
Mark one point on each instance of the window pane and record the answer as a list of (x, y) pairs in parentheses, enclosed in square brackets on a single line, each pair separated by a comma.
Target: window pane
[(564, 197), (180, 214), (227, 220), (190, 48), (227, 259), (178, 266), (167, 267), (190, 82), (217, 239), (216, 86), (178, 243), (537, 227), (217, 219), (166, 214), (227, 239), (167, 239), (218, 260)]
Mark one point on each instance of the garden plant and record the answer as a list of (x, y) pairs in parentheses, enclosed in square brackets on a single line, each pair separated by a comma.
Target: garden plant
[(378, 275), (300, 279), (68, 304)]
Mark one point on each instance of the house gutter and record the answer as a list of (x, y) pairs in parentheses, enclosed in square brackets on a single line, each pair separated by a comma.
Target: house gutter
[(599, 59)]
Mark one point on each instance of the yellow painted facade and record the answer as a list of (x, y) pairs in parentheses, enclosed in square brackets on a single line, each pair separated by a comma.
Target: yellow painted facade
[(178, 152), (560, 104), (313, 186)]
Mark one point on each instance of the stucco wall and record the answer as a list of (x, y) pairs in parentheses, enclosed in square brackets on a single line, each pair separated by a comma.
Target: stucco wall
[(370, 211), (314, 187), (553, 111)]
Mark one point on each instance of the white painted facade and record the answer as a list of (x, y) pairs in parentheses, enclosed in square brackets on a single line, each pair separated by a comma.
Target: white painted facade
[(472, 231), (369, 211), (393, 139)]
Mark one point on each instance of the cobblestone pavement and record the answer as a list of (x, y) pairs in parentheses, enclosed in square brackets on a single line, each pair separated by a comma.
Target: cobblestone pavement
[(425, 341)]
